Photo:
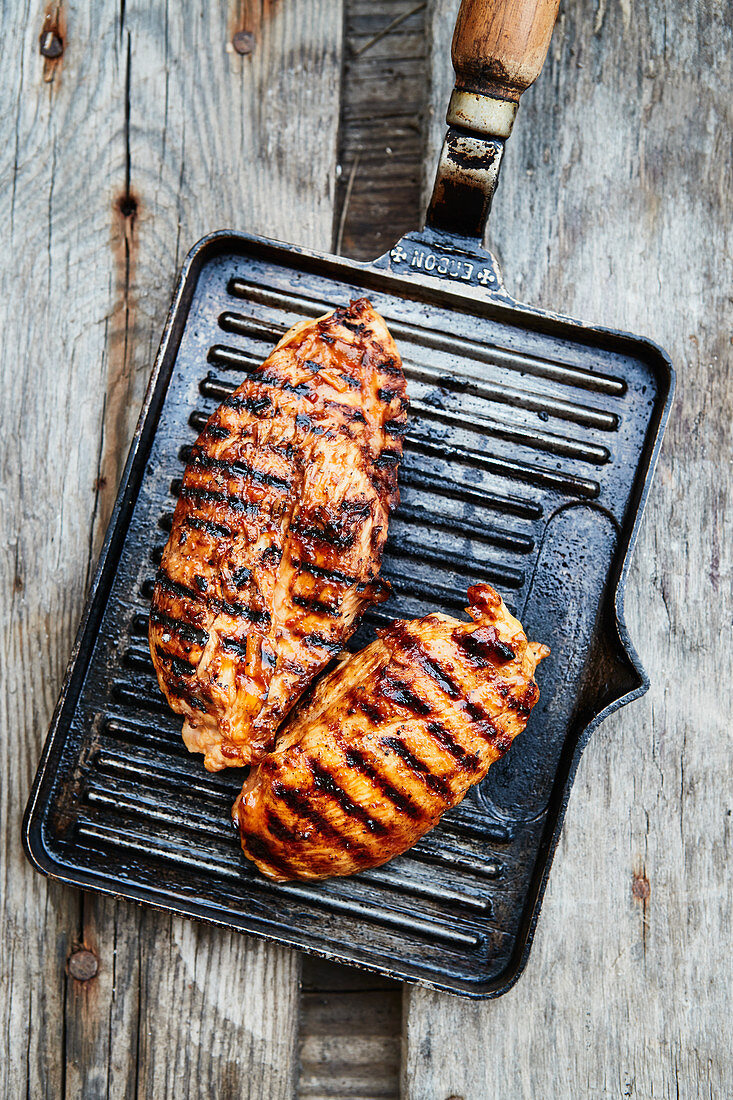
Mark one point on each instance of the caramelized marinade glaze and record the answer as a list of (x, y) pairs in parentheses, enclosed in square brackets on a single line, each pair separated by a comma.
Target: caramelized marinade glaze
[(389, 740), (278, 533)]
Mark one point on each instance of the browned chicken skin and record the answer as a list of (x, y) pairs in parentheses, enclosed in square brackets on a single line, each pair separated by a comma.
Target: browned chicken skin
[(393, 737), (278, 533)]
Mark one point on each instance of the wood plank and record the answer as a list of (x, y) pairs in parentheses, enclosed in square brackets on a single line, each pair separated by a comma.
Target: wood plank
[(220, 1015), (350, 1024), (103, 1013), (349, 1039), (55, 300), (149, 134), (615, 205), (384, 96)]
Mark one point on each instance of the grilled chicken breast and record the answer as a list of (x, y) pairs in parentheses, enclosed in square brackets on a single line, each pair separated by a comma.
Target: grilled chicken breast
[(390, 739), (278, 533)]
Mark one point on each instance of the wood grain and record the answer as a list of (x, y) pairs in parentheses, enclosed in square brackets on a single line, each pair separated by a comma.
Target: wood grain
[(615, 206), (55, 281), (500, 46), (116, 156), (349, 1034), (382, 137)]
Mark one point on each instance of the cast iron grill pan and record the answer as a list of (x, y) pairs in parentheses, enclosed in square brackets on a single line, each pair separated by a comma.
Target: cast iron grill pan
[(530, 444)]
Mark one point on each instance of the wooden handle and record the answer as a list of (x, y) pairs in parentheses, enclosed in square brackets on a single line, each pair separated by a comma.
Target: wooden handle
[(499, 46)]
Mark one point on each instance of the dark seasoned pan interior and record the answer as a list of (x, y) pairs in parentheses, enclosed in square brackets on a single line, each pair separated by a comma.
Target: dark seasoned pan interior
[(526, 461)]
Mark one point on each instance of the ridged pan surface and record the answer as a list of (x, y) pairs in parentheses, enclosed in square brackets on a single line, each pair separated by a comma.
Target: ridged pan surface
[(530, 445)]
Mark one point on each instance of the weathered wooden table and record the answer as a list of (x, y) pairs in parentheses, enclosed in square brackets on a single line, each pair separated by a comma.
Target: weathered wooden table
[(127, 132)]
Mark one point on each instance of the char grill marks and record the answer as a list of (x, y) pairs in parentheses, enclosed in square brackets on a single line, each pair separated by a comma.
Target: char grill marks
[(388, 741), (278, 532)]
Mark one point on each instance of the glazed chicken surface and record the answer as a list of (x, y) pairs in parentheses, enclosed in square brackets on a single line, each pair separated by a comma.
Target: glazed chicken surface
[(278, 533), (393, 737)]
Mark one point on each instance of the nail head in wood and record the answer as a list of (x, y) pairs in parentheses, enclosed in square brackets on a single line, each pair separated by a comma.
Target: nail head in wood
[(51, 45), (640, 887), (244, 42), (83, 965)]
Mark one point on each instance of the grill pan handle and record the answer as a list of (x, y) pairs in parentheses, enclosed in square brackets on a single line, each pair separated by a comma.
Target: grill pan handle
[(499, 48)]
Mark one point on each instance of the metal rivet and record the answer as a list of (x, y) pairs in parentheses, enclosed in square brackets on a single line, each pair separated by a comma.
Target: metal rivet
[(51, 45), (244, 42), (83, 965)]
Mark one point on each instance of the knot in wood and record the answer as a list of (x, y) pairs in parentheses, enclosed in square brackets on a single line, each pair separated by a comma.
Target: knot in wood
[(83, 965), (127, 205)]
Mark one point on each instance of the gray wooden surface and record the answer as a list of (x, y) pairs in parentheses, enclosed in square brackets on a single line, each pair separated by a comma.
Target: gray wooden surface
[(615, 205), (146, 135)]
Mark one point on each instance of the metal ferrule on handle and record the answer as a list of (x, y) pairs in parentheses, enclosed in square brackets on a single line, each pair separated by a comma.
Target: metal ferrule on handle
[(499, 47)]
